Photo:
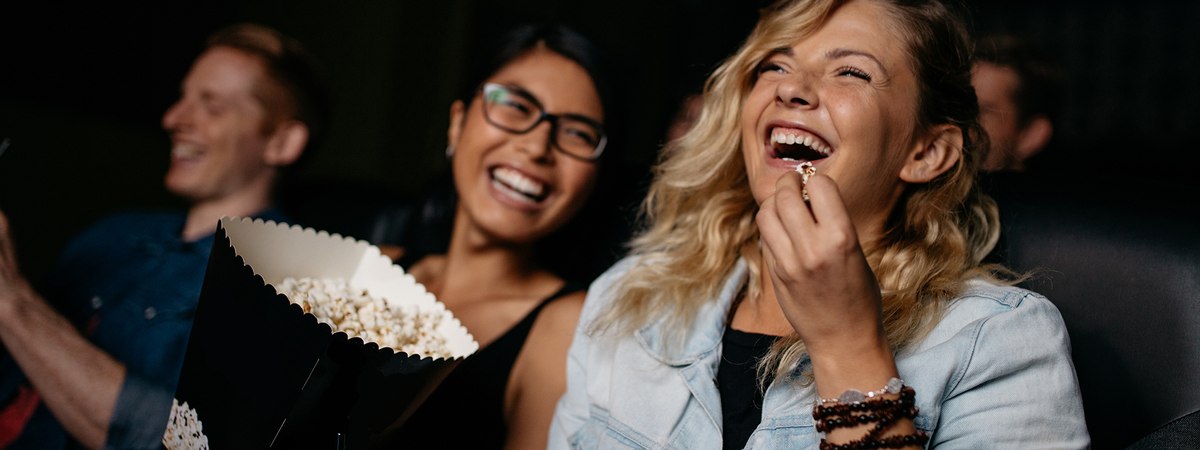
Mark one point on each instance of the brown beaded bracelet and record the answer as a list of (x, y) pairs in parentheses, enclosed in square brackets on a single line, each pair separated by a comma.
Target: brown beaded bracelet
[(898, 441), (829, 417), (882, 412), (841, 409)]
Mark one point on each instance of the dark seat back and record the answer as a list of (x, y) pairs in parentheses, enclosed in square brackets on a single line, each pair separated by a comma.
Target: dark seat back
[(1123, 267)]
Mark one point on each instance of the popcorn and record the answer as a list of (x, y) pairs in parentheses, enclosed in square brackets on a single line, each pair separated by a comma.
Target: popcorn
[(806, 170), (403, 328), (184, 430)]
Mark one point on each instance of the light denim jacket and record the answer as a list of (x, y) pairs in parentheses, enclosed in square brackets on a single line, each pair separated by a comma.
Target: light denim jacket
[(995, 372)]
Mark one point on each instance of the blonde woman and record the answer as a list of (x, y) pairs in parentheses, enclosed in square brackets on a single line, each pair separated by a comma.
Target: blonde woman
[(846, 307)]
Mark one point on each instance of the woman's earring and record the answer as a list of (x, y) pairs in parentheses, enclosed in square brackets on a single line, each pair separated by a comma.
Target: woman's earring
[(449, 151)]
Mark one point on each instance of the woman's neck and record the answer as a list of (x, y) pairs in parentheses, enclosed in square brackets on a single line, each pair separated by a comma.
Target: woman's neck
[(475, 266), (760, 313)]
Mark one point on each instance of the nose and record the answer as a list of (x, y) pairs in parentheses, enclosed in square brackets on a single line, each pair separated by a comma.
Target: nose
[(796, 91), (536, 143), (177, 115)]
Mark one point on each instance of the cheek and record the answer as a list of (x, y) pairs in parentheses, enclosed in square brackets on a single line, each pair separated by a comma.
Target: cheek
[(477, 138), (251, 145), (751, 146), (874, 125), (753, 107), (468, 156), (761, 185), (855, 114)]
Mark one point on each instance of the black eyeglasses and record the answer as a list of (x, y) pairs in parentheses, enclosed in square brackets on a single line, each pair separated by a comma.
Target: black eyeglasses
[(516, 111)]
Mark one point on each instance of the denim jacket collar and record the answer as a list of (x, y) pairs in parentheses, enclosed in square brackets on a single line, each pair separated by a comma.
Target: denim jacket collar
[(697, 356), (704, 337)]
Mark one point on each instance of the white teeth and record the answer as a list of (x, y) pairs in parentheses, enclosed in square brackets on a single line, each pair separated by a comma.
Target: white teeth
[(780, 136), (518, 182), (185, 151)]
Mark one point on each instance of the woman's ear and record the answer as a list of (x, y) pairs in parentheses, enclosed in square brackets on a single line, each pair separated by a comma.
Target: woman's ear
[(457, 115), (286, 144), (937, 154)]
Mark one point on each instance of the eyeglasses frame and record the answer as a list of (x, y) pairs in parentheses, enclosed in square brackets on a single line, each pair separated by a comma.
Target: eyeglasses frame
[(544, 116)]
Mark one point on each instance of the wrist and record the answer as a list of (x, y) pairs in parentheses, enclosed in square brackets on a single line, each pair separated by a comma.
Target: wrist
[(863, 367), (12, 302)]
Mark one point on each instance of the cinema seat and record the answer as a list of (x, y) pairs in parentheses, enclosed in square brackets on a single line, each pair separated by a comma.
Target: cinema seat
[(1121, 261)]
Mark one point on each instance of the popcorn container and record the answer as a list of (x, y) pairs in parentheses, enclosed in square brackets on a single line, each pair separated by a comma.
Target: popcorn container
[(261, 373)]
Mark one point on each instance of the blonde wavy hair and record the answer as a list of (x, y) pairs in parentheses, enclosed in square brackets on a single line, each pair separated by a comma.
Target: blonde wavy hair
[(699, 211)]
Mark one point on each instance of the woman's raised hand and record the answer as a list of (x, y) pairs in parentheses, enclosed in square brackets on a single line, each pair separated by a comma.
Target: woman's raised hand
[(817, 269)]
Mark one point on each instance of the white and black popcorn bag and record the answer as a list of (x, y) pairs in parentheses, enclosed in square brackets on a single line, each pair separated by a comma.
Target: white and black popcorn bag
[(304, 339)]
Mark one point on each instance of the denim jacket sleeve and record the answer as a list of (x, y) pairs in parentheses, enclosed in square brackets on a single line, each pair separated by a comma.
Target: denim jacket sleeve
[(140, 415), (571, 412), (1017, 388), (573, 408)]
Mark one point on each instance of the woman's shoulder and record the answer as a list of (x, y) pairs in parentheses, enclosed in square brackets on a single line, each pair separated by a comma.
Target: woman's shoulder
[(981, 299), (559, 313), (997, 345), (549, 338), (1014, 315), (602, 291), (616, 272), (563, 309)]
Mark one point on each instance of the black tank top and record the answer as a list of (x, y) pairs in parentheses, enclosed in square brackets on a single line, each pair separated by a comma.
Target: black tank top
[(466, 411), (737, 381)]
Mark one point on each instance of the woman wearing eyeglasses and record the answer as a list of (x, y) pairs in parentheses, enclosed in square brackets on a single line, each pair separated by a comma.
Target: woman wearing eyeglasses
[(525, 143)]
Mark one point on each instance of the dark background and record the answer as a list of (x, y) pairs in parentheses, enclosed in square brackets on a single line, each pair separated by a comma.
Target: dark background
[(83, 88)]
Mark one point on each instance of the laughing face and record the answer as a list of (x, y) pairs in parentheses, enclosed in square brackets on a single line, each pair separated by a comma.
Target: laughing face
[(515, 187), (843, 98), (216, 128)]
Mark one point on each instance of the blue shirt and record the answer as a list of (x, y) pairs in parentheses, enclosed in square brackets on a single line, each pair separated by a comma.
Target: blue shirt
[(131, 283), (994, 372)]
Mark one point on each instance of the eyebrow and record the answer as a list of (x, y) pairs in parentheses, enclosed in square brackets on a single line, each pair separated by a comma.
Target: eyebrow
[(781, 50), (521, 91)]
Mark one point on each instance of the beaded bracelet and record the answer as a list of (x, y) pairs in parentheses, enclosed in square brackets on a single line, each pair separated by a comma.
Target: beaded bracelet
[(899, 441), (893, 386), (882, 411), (907, 399), (854, 408)]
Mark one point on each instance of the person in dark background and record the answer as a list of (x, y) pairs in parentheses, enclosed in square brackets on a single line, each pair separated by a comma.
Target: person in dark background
[(1020, 92), (528, 142), (106, 367), (102, 74)]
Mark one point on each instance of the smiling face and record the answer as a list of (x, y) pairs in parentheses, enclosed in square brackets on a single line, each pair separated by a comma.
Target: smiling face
[(516, 188), (844, 98), (216, 128)]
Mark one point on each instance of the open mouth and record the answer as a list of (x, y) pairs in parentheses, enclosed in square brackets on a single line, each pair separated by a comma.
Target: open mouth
[(518, 186), (796, 145), (186, 152)]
